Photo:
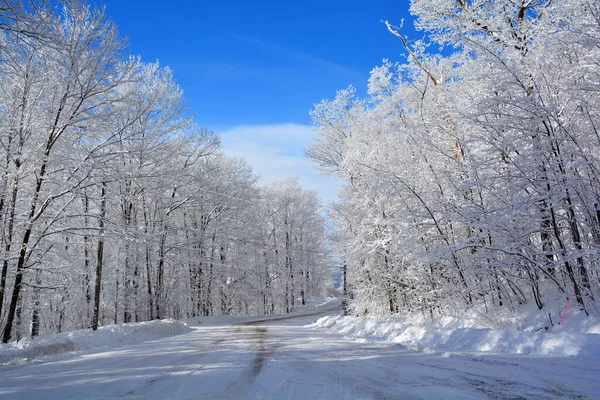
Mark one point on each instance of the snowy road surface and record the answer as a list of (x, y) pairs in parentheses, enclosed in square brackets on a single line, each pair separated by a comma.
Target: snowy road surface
[(283, 359)]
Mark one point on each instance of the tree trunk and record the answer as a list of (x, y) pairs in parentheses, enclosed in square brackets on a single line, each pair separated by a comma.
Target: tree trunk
[(159, 292), (86, 258), (35, 315), (9, 238), (99, 258)]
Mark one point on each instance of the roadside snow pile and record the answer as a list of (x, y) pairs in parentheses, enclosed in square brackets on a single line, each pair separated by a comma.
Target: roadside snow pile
[(428, 338), (110, 336)]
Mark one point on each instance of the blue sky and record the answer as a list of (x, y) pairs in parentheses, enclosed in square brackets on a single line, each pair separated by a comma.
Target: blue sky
[(252, 70)]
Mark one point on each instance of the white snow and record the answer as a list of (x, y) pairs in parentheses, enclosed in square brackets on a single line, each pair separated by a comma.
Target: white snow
[(110, 336), (555, 343), (294, 357), (42, 347)]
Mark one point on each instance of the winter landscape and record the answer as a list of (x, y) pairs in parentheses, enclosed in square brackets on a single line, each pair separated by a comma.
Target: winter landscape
[(165, 233)]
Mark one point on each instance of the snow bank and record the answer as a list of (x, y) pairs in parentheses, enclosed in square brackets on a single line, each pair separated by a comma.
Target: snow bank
[(110, 336), (427, 338)]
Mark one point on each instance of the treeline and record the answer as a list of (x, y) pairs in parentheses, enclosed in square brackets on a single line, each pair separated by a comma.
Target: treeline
[(114, 206), (473, 175)]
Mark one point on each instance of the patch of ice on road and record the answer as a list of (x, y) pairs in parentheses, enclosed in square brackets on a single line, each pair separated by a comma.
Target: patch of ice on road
[(428, 338), (110, 336)]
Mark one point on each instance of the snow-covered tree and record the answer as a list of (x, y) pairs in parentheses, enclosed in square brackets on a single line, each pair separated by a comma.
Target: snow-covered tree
[(472, 176), (114, 206)]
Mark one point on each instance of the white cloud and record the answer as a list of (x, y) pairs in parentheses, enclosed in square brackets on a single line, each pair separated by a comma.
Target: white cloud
[(275, 151)]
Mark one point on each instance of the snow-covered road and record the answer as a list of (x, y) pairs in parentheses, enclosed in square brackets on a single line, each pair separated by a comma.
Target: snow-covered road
[(283, 359)]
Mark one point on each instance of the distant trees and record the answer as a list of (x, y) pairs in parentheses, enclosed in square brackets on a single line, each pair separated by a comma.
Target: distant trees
[(472, 178), (114, 206)]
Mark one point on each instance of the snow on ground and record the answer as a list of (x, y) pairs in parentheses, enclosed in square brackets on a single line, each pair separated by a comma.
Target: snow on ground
[(45, 347), (283, 357), (558, 341), (308, 309), (111, 336)]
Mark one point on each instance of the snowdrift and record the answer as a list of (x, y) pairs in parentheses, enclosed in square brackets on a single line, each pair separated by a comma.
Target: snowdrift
[(110, 336), (428, 338)]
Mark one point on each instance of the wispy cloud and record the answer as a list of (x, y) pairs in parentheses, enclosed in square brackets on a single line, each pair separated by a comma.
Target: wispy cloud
[(275, 151), (305, 58)]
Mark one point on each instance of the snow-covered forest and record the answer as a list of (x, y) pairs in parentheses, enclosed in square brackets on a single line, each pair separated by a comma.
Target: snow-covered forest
[(114, 206), (472, 169), (153, 245), (471, 172)]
